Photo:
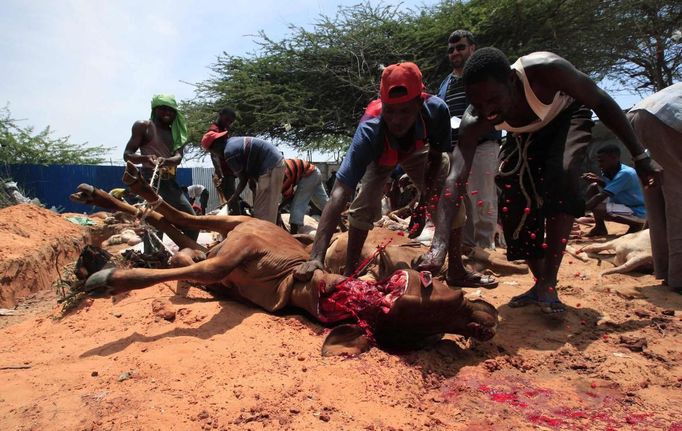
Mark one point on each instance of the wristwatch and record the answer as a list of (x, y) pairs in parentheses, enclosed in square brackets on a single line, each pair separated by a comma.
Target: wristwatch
[(644, 155)]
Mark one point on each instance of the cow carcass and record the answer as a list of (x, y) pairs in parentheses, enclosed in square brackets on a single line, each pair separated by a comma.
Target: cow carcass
[(256, 262), (631, 252)]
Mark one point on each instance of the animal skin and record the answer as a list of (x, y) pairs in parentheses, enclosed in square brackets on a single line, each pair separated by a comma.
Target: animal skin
[(631, 252), (256, 262)]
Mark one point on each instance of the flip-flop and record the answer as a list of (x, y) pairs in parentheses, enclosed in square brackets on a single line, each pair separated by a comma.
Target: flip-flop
[(528, 298), (552, 307), (474, 279)]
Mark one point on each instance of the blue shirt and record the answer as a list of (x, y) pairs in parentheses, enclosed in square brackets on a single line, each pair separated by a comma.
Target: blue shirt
[(624, 188), (262, 157), (368, 142)]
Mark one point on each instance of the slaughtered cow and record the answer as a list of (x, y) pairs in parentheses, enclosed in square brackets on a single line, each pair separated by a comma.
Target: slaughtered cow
[(632, 252), (256, 262)]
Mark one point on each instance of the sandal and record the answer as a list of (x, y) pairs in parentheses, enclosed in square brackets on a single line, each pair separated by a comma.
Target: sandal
[(552, 307), (474, 279), (524, 299)]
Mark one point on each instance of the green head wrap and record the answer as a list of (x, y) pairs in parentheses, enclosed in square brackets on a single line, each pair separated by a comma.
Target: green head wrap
[(179, 127)]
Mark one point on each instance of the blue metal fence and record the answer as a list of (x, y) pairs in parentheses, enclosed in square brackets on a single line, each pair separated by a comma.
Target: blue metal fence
[(53, 184)]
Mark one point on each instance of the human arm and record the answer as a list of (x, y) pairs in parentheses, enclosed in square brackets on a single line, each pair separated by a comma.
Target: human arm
[(591, 177), (243, 181), (558, 74), (137, 137), (472, 128), (331, 215)]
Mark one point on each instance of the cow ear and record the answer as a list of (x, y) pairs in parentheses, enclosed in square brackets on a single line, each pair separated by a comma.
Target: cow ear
[(345, 340)]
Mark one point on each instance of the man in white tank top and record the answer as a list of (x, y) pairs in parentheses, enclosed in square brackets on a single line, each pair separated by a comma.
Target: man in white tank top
[(544, 102)]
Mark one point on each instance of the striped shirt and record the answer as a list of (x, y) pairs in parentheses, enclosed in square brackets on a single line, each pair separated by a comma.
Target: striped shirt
[(294, 170), (455, 98)]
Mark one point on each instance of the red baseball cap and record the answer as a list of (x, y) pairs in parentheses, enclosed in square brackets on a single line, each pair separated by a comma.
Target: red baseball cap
[(406, 75)]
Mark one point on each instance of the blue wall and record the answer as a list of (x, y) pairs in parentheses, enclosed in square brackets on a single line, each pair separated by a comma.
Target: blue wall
[(54, 183)]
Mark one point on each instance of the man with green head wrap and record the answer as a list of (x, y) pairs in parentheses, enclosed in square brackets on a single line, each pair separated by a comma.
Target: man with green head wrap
[(160, 140)]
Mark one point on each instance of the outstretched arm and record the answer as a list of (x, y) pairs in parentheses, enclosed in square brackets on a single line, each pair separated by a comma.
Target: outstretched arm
[(560, 75), (471, 130)]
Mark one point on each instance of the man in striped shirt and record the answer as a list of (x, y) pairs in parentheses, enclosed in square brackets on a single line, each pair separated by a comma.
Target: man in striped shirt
[(307, 180), (481, 198)]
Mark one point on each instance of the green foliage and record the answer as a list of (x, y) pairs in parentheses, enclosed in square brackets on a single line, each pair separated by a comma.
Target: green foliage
[(310, 89), (22, 145)]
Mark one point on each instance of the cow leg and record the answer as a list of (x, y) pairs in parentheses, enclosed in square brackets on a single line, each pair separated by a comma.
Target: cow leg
[(596, 248), (89, 195), (220, 224), (215, 269), (630, 265)]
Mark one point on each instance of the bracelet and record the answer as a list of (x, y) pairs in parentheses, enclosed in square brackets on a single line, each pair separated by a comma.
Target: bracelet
[(644, 155)]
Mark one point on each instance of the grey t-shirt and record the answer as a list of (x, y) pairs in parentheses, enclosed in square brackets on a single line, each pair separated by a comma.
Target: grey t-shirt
[(666, 105), (262, 156)]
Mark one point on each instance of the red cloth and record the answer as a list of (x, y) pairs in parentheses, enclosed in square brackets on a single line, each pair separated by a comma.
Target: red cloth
[(211, 135)]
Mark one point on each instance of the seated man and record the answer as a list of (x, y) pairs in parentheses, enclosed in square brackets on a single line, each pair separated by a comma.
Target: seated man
[(257, 260), (617, 195)]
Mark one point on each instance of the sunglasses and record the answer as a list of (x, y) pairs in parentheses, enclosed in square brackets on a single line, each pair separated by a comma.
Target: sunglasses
[(458, 47)]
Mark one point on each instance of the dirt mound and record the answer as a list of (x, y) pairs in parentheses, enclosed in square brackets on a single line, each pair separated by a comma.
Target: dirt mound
[(119, 363), (34, 242)]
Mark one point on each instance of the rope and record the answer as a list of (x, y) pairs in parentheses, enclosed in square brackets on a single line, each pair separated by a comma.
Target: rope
[(522, 168)]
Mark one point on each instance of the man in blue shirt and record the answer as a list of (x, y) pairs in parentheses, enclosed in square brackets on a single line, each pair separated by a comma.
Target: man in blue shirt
[(256, 160), (616, 196), (407, 127)]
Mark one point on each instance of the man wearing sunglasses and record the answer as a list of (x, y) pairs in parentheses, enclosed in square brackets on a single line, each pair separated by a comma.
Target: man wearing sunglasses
[(481, 197)]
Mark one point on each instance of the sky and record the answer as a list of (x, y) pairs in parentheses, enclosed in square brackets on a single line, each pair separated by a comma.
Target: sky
[(88, 69)]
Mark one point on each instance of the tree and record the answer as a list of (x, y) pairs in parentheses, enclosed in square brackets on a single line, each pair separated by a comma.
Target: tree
[(22, 145), (311, 88)]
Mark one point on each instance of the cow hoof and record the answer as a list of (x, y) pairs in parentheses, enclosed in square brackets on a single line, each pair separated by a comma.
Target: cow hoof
[(97, 283)]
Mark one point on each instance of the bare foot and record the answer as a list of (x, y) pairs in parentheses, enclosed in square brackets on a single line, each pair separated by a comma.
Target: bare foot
[(597, 231)]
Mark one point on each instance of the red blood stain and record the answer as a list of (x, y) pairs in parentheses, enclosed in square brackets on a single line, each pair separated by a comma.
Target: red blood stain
[(593, 385), (401, 233), (505, 209), (540, 419), (577, 305), (545, 245), (474, 192), (533, 236), (577, 274), (636, 418), (564, 240), (526, 210), (480, 203), (677, 426), (414, 228)]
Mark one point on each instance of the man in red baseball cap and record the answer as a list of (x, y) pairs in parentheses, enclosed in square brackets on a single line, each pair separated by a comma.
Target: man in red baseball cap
[(405, 127)]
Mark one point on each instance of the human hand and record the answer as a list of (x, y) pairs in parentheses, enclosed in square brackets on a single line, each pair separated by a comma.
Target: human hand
[(417, 221), (305, 271), (650, 173), (591, 177)]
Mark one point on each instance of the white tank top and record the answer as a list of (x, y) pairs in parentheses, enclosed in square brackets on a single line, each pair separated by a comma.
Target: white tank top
[(545, 113)]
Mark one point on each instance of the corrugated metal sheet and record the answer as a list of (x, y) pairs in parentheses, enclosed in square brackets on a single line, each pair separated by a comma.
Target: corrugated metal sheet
[(53, 184), (204, 176)]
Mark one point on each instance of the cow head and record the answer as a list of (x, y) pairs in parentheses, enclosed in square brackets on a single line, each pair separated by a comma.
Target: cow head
[(405, 311)]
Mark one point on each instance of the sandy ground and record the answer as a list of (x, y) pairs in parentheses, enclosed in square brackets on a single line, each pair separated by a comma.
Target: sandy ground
[(117, 364)]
